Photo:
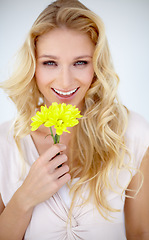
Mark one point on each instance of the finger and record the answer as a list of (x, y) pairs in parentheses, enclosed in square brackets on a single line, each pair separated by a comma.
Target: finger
[(52, 152), (57, 161), (59, 172), (63, 180)]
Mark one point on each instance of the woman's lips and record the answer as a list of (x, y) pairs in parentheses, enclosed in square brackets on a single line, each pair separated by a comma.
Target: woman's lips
[(65, 94)]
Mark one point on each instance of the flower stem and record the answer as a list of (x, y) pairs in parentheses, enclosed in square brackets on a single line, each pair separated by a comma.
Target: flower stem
[(56, 138), (52, 135)]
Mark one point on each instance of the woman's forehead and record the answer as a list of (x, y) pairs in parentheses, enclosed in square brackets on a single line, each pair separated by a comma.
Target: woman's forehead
[(62, 40)]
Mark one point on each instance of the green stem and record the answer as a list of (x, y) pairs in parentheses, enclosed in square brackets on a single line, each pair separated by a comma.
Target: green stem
[(52, 135), (56, 138)]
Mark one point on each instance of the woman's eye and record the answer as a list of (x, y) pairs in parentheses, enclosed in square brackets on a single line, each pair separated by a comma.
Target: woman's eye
[(80, 63), (50, 63)]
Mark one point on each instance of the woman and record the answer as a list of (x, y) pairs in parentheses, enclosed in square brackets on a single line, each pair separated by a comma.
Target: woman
[(104, 160)]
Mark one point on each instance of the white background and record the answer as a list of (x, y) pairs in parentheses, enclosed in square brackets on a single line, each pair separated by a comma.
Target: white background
[(127, 28)]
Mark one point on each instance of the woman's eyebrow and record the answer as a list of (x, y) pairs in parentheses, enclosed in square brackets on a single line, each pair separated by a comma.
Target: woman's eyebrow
[(83, 56), (48, 56), (56, 58)]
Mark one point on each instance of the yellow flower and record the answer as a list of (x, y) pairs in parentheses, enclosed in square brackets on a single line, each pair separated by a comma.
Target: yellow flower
[(40, 118), (60, 116)]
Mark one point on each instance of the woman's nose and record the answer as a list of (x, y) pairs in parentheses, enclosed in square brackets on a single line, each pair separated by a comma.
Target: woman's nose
[(65, 78)]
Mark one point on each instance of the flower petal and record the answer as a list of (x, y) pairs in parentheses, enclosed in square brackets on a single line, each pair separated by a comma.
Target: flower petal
[(60, 116)]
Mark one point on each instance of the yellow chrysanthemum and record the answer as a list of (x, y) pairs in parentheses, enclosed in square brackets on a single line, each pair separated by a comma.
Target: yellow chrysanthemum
[(40, 118), (60, 116)]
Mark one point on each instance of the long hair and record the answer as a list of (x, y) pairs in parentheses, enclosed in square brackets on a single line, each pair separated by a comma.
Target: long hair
[(99, 138)]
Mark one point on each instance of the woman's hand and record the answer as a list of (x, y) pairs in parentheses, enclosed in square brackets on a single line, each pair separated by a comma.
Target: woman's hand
[(45, 177)]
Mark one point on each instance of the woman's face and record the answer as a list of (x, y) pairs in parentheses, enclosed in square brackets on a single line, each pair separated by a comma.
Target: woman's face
[(64, 70)]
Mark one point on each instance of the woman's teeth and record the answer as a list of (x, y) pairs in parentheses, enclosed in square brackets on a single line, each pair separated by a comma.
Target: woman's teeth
[(65, 93)]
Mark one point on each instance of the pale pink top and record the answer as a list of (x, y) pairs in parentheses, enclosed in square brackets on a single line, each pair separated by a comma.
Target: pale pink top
[(49, 219)]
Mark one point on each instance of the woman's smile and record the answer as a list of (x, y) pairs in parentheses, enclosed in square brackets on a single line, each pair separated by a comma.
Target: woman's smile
[(65, 94)]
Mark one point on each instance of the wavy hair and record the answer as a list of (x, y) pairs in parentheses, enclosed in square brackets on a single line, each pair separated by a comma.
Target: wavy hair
[(99, 138)]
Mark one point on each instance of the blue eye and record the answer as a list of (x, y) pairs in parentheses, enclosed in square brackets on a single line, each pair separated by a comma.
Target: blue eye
[(80, 63), (50, 63)]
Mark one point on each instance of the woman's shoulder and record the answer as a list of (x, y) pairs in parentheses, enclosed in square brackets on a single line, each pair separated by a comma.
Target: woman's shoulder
[(6, 132), (5, 125), (137, 136), (137, 125)]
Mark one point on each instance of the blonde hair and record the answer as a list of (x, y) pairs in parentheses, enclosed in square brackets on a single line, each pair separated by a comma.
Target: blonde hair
[(99, 137)]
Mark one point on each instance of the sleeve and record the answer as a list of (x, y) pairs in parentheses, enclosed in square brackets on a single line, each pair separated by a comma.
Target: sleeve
[(5, 152), (137, 138), (10, 164), (2, 146)]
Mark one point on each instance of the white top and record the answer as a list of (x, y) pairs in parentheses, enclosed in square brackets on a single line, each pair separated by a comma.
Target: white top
[(49, 219)]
